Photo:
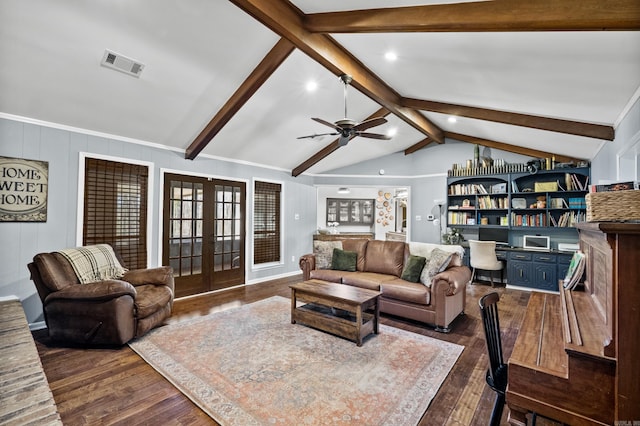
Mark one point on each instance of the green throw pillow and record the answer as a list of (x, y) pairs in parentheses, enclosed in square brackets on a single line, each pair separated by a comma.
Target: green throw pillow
[(413, 268), (344, 260)]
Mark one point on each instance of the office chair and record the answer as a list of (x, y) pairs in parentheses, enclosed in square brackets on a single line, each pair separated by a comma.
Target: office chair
[(483, 256), (497, 372)]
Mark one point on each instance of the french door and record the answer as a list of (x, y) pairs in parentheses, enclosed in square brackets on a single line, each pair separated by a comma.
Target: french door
[(204, 232)]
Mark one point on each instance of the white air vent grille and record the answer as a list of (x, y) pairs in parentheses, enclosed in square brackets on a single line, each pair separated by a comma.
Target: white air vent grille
[(122, 63)]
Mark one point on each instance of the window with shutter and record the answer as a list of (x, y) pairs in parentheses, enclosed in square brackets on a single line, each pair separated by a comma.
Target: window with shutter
[(115, 209), (266, 222)]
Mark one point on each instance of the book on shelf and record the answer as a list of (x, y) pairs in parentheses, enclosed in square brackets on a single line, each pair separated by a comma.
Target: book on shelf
[(499, 188), (616, 186), (575, 271), (567, 219), (558, 203), (533, 219), (575, 182)]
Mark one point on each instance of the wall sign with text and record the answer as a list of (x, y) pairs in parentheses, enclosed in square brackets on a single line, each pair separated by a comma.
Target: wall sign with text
[(23, 190)]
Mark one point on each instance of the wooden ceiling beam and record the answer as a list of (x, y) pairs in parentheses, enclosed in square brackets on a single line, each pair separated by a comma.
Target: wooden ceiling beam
[(288, 22), (510, 148), (258, 76), (484, 16), (418, 146), (329, 149), (598, 131)]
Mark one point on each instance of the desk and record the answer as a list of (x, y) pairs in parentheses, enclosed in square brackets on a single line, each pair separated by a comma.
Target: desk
[(535, 269)]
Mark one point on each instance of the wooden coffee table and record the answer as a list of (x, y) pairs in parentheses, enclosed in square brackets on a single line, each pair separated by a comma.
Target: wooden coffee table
[(336, 308)]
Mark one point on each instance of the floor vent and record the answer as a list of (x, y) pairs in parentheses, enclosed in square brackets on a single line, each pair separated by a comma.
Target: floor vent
[(121, 63)]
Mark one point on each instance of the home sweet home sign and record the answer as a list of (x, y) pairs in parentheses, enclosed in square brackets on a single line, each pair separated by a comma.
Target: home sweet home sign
[(23, 190)]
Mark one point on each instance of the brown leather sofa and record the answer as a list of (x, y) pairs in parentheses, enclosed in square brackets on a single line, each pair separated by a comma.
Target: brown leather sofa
[(109, 312), (379, 267)]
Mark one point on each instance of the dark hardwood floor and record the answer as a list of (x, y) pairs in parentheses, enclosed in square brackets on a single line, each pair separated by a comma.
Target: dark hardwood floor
[(115, 386)]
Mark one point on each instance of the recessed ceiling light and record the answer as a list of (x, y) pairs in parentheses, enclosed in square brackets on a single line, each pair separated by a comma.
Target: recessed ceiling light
[(392, 132), (452, 119), (311, 86), (390, 56)]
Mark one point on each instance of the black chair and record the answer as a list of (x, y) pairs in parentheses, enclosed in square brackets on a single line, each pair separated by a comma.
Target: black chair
[(497, 372)]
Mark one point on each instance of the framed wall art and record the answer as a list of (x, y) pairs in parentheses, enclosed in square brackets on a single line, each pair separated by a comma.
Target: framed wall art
[(23, 190)]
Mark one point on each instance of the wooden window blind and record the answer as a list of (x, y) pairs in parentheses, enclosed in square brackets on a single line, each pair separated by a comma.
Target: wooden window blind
[(115, 209), (266, 222)]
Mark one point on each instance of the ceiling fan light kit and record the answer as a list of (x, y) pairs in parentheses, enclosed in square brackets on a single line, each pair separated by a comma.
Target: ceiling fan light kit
[(347, 128)]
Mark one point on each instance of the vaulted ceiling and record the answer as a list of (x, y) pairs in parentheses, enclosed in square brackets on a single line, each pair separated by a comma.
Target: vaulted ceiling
[(226, 79)]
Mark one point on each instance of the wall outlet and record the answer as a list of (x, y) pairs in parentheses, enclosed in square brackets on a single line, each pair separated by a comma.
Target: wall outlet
[(430, 217), (418, 218), (293, 258)]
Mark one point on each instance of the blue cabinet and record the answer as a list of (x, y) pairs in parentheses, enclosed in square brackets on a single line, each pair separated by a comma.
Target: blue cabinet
[(545, 271), (519, 268)]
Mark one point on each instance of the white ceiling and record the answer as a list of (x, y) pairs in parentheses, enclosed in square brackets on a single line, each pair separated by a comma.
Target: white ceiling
[(198, 52)]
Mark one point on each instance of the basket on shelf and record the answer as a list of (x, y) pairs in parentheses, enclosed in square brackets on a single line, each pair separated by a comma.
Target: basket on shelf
[(613, 206)]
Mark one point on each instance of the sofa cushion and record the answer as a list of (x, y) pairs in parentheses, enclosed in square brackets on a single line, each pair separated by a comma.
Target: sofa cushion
[(406, 291), (384, 257), (359, 246), (344, 260), (327, 275), (324, 252), (413, 268), (369, 280), (438, 262)]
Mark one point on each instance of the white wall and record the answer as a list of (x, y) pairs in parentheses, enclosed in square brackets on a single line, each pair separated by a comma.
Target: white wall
[(19, 242), (619, 160)]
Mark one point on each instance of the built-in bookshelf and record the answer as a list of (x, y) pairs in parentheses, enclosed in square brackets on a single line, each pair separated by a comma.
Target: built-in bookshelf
[(520, 199)]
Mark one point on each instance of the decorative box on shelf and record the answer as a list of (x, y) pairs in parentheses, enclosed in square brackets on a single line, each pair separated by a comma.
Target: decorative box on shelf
[(613, 206)]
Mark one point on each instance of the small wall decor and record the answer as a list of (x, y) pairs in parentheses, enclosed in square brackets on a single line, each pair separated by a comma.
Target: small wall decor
[(23, 190), (384, 205)]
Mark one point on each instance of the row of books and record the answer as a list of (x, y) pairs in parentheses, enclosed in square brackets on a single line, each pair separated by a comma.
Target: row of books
[(576, 182), (617, 186), (460, 218), (577, 203), (488, 202), (572, 182), (568, 219), (539, 219), (565, 220), (477, 188)]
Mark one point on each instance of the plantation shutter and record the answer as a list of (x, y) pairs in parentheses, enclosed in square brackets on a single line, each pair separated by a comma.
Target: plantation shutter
[(115, 209), (266, 222)]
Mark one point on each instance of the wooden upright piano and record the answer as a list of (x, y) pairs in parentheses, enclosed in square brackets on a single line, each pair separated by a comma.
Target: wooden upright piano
[(577, 356)]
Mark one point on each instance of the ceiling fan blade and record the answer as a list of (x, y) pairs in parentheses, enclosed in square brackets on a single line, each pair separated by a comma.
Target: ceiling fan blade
[(373, 136), (316, 135), (367, 124), (326, 123)]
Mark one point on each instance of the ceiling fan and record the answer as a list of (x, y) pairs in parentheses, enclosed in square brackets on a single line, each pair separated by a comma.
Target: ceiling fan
[(347, 128)]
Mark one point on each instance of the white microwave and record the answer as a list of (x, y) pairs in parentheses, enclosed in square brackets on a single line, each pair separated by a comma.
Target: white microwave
[(535, 242)]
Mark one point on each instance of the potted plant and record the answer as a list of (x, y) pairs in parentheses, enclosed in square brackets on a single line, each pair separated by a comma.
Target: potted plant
[(453, 236)]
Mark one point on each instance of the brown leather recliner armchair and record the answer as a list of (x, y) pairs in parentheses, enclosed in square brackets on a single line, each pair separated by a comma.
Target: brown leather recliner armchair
[(109, 312)]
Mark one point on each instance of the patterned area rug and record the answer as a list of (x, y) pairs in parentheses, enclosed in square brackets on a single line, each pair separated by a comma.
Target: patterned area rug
[(251, 366)]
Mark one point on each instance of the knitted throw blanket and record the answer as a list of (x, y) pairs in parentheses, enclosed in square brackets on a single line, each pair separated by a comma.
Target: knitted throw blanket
[(94, 263)]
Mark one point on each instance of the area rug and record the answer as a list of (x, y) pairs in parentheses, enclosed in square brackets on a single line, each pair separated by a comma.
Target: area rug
[(250, 366)]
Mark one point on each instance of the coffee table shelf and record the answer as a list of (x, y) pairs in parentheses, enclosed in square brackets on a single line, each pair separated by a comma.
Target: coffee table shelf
[(336, 308)]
